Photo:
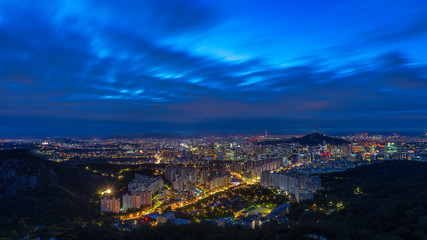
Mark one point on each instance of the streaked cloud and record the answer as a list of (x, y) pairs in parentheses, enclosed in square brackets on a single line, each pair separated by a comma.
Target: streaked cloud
[(183, 62)]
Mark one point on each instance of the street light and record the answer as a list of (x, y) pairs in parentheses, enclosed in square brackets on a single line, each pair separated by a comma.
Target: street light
[(108, 191)]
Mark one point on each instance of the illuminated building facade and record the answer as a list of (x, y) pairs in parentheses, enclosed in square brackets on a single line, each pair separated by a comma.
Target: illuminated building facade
[(110, 205)]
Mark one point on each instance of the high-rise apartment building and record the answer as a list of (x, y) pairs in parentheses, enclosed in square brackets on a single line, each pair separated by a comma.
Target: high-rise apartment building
[(111, 205), (131, 201)]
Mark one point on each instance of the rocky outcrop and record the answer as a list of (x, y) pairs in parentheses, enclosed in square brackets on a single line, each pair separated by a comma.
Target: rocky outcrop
[(17, 174), (44, 191)]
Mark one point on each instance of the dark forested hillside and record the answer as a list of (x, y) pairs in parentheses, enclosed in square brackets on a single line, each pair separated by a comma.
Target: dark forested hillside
[(36, 191), (317, 138), (381, 201)]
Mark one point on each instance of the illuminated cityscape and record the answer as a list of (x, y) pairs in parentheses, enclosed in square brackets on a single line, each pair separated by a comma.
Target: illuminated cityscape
[(204, 120), (216, 179)]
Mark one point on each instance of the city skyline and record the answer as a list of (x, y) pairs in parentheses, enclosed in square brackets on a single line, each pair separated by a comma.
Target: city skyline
[(101, 68)]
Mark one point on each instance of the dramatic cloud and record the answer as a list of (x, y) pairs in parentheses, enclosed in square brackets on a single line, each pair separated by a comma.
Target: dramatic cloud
[(141, 66)]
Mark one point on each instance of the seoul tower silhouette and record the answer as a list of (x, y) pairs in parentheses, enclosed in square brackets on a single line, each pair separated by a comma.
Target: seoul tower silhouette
[(317, 128)]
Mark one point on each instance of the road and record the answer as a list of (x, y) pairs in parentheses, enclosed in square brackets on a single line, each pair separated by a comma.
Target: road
[(179, 204)]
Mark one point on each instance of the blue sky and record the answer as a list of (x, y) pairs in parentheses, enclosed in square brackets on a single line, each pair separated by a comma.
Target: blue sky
[(127, 67)]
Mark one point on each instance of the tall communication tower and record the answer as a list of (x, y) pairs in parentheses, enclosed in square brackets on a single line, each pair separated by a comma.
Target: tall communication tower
[(317, 128)]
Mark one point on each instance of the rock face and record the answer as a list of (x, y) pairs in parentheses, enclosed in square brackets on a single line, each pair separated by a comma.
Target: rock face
[(20, 171), (44, 191)]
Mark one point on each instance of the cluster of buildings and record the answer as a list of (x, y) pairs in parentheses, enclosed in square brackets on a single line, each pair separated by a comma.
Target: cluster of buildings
[(181, 177), (141, 193), (220, 181), (169, 217), (194, 168), (300, 184), (251, 169), (137, 200), (143, 183), (188, 178), (111, 205), (363, 147), (366, 147)]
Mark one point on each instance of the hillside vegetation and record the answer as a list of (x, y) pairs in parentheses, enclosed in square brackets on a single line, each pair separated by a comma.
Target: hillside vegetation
[(34, 191)]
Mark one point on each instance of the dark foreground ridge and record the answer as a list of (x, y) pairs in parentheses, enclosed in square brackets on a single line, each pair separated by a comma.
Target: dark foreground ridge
[(380, 201), (36, 191)]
